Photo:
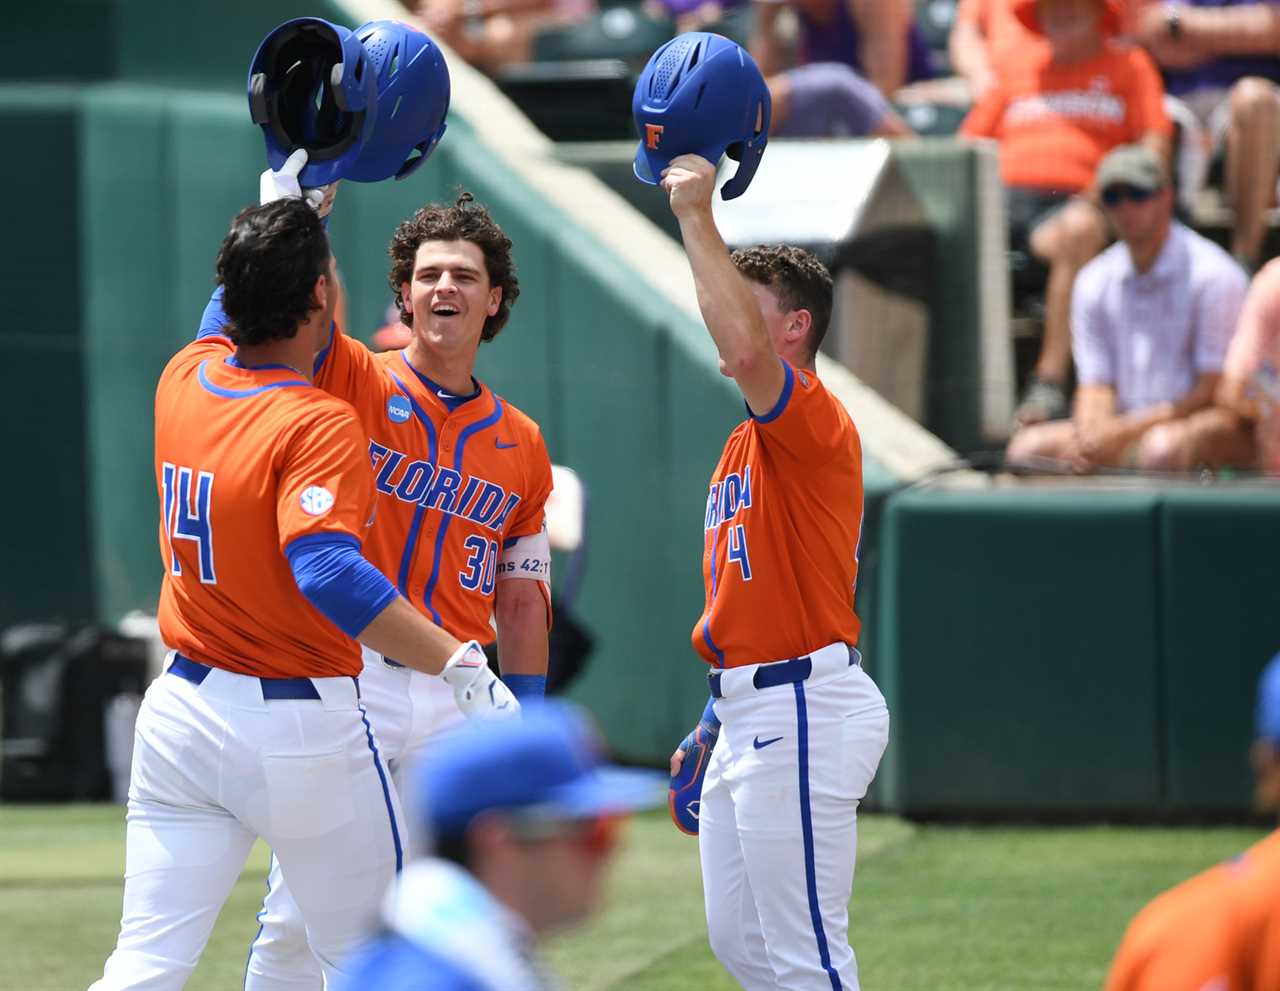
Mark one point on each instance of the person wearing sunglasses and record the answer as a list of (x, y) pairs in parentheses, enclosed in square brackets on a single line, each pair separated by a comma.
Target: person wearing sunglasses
[(523, 818), (1151, 320)]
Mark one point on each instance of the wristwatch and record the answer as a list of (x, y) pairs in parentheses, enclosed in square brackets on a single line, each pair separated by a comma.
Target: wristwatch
[(1173, 20)]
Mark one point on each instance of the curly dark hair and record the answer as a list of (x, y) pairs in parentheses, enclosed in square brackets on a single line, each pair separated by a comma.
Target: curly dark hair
[(466, 220), (268, 266), (799, 279)]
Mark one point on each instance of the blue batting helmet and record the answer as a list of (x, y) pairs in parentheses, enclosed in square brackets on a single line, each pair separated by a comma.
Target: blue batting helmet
[(310, 86), (413, 100), (702, 94)]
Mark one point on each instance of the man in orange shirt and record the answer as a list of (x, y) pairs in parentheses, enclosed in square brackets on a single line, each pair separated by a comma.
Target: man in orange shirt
[(256, 728), (1056, 112), (1220, 930), (801, 725)]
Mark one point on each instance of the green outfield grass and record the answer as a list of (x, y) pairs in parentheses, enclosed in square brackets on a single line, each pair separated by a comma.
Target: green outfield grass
[(935, 907)]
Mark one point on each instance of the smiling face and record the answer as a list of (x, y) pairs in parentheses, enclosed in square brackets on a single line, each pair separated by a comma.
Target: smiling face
[(450, 296)]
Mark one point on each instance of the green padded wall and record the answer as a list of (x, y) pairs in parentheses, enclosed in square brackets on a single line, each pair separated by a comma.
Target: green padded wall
[(48, 561), (1221, 624), (1019, 649)]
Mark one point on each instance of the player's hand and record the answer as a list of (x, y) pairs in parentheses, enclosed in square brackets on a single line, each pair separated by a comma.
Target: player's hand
[(283, 184), (480, 694), (688, 767), (689, 181)]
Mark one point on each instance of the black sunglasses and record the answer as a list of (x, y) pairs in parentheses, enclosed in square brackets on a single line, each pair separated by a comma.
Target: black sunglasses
[(1117, 194)]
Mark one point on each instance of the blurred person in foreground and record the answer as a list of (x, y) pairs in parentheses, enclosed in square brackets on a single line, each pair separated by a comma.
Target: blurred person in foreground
[(1251, 376), (1056, 110), (524, 818), (1151, 320), (1220, 930)]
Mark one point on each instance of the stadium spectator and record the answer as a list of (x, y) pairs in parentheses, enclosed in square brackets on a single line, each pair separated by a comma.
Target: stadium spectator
[(524, 817), (1219, 930), (878, 39), (1251, 375), (1056, 110), (1219, 57), (491, 34), (985, 37), (1151, 319)]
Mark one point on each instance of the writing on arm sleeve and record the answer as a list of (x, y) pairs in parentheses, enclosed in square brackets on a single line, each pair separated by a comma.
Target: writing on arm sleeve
[(325, 482)]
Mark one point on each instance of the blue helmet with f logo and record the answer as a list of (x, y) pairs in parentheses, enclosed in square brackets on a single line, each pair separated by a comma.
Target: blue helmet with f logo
[(310, 86), (701, 94), (413, 100)]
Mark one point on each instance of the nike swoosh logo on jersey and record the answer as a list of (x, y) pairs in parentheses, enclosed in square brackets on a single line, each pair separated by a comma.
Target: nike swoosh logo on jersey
[(501, 446), (761, 744)]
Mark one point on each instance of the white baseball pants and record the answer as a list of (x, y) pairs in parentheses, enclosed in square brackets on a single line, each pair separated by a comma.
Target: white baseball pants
[(407, 709), (777, 827), (214, 766)]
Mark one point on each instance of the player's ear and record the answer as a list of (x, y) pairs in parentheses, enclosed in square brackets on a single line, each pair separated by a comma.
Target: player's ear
[(799, 323), (495, 300)]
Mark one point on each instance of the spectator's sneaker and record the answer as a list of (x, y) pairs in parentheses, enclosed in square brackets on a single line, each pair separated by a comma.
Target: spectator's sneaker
[(1042, 401)]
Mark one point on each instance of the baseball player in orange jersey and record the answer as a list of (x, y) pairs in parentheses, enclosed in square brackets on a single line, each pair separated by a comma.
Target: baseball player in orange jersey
[(256, 729), (462, 479), (1220, 930), (802, 726)]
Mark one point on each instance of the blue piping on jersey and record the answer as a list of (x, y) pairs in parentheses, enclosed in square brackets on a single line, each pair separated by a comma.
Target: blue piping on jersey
[(386, 792), (806, 828), (479, 425), (323, 356), (218, 390), (411, 541), (235, 362), (450, 400), (706, 624), (787, 385)]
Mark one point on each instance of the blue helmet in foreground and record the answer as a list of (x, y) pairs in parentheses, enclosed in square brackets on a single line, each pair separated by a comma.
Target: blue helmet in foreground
[(701, 94), (310, 86), (412, 101)]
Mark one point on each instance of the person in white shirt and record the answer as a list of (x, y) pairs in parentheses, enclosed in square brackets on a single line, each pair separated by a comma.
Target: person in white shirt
[(1151, 320)]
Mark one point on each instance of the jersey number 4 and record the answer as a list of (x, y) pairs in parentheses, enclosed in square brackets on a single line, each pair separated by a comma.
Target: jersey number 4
[(188, 519)]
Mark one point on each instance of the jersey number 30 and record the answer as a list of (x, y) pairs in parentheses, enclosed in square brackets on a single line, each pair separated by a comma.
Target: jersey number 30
[(185, 519)]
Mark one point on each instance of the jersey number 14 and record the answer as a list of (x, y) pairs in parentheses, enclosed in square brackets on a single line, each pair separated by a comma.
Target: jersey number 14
[(188, 519)]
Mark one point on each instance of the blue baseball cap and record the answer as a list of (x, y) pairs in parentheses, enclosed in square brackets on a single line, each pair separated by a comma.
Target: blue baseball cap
[(1268, 714), (549, 762)]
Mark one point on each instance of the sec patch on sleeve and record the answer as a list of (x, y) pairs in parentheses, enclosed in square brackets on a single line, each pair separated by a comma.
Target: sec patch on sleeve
[(315, 500)]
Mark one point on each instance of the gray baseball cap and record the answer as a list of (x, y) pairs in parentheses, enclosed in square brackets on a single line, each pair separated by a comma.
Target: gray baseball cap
[(1131, 165)]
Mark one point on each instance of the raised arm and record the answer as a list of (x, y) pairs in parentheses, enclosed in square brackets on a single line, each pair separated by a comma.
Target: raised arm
[(729, 307)]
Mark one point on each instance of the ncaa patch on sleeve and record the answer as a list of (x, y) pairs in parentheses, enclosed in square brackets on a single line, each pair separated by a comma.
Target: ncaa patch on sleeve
[(316, 499)]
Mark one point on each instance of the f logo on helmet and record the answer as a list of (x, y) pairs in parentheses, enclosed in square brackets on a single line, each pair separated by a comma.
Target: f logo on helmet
[(652, 135)]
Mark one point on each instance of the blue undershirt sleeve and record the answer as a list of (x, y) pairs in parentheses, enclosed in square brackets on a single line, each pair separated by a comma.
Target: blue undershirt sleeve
[(214, 317), (338, 580)]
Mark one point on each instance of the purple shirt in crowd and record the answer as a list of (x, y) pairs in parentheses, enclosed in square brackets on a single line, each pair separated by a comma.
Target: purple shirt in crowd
[(1220, 73), (1150, 335)]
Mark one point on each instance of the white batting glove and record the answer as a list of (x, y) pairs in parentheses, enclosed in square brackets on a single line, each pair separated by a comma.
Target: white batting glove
[(283, 185), (480, 694)]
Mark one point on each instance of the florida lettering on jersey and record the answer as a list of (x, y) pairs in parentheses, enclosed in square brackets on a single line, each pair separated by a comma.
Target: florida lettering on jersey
[(442, 488), (781, 526)]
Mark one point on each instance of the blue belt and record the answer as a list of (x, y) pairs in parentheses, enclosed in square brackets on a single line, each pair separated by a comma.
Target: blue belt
[(272, 688), (772, 675)]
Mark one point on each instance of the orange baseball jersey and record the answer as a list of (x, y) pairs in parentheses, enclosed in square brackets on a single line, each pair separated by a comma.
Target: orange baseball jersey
[(1056, 121), (782, 527), (1255, 918), (1179, 940), (247, 461), (453, 488)]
